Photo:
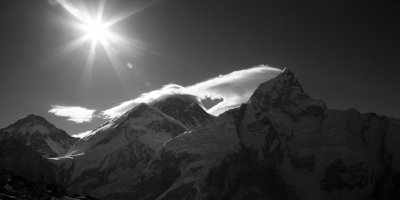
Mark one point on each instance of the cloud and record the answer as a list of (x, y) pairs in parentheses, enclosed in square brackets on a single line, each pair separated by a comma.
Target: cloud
[(73, 113), (155, 95), (184, 97), (82, 135), (234, 88)]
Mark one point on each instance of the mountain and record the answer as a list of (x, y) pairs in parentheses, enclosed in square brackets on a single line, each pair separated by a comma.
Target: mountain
[(184, 108), (113, 158), (281, 144), (26, 145), (37, 133), (319, 153)]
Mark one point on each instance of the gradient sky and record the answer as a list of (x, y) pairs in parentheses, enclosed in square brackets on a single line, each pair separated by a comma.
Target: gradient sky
[(346, 53)]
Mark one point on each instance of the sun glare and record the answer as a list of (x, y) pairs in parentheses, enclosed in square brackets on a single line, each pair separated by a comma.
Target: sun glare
[(97, 31), (98, 28), (95, 27)]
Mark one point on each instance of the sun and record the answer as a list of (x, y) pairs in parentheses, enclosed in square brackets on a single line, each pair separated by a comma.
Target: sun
[(97, 31), (93, 25)]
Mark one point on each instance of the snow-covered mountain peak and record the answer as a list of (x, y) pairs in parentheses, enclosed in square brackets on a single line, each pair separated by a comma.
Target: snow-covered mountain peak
[(284, 92), (35, 117), (177, 98), (36, 132), (142, 113), (284, 83), (123, 145), (32, 124), (141, 121), (280, 103), (184, 108), (178, 102), (139, 110)]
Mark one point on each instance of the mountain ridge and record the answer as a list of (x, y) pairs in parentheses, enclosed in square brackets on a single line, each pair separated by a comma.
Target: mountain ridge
[(281, 144)]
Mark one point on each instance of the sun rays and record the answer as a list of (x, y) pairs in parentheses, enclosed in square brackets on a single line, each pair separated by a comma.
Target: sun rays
[(103, 36), (93, 25), (96, 35)]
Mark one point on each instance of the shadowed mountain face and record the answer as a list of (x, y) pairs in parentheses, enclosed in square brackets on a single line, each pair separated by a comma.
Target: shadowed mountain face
[(317, 152), (26, 145), (14, 186), (282, 144), (24, 161), (185, 110), (40, 135)]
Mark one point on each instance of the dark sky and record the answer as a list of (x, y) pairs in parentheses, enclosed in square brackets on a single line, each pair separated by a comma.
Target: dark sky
[(344, 52)]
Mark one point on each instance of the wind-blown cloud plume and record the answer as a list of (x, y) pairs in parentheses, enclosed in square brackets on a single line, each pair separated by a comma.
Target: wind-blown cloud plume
[(148, 97), (234, 88), (73, 113), (82, 135)]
